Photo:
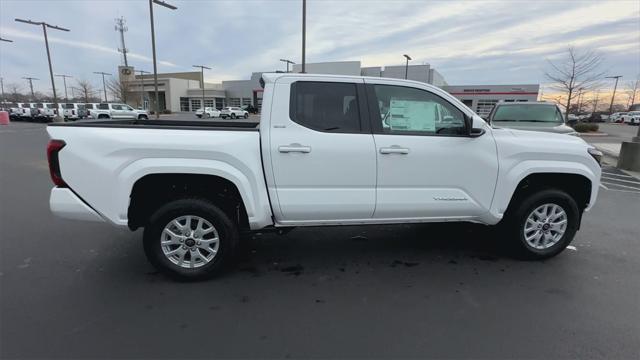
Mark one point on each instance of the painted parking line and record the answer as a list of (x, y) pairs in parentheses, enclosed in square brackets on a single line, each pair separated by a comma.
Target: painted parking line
[(634, 181), (619, 175)]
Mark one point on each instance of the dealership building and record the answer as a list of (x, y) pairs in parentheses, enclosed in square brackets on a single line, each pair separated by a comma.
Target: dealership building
[(182, 91)]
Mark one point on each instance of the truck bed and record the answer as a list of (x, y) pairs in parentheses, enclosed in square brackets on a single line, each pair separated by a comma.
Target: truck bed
[(166, 124)]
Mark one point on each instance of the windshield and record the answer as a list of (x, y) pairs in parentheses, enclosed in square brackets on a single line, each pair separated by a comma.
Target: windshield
[(527, 113)]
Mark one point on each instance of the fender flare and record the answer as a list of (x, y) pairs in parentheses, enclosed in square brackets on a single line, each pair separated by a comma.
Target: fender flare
[(136, 170)]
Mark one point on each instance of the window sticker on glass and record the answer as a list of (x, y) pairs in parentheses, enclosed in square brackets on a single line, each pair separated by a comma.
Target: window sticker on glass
[(412, 115)]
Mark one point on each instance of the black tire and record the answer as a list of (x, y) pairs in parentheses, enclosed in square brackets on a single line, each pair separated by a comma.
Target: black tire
[(143, 117), (233, 115), (227, 233), (512, 227), (206, 115), (246, 116), (103, 116)]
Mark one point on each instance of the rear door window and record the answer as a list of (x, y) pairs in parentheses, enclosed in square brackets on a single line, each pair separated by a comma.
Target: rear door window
[(325, 106)]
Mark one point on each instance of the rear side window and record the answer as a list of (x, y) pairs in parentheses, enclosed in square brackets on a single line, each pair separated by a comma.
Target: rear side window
[(103, 106), (325, 106)]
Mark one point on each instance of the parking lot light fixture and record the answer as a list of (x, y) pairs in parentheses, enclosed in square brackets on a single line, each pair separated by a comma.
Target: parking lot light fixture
[(64, 81), (46, 43), (202, 67), (153, 49), (142, 72), (406, 68), (104, 86), (615, 87), (30, 79), (288, 62), (304, 35)]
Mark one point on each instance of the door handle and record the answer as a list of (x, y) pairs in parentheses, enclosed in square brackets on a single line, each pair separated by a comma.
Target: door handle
[(294, 148), (394, 150)]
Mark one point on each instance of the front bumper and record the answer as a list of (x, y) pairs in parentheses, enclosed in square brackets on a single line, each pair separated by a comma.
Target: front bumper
[(65, 204)]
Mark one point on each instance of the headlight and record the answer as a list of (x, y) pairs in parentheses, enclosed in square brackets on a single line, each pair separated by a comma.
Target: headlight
[(596, 154)]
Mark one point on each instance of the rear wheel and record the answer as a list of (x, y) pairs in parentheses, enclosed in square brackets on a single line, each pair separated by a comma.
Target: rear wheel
[(233, 115), (103, 116), (190, 239), (246, 116), (542, 225)]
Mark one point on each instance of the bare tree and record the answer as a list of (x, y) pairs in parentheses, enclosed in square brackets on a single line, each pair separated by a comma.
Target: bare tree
[(579, 69), (15, 92), (86, 89), (119, 89)]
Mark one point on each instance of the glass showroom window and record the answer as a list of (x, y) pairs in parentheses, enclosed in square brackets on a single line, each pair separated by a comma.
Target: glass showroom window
[(208, 103), (195, 104), (484, 107), (219, 103), (246, 101), (235, 102), (184, 104)]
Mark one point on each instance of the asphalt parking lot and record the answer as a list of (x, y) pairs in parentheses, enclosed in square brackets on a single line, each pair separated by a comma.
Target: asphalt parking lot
[(83, 290)]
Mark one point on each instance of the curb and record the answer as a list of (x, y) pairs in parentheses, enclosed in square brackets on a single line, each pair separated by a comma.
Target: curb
[(608, 153), (594, 134)]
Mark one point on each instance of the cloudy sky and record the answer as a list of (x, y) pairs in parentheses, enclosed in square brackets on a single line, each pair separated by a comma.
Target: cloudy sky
[(469, 42)]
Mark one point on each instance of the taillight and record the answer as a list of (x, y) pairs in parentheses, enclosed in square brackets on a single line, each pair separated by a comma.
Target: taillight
[(53, 148)]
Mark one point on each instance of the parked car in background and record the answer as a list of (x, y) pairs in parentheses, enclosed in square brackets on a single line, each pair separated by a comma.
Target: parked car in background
[(45, 112), (118, 111), (209, 112), (331, 150), (70, 111), (15, 110), (250, 108), (233, 113), (88, 107), (631, 118), (615, 117), (533, 116)]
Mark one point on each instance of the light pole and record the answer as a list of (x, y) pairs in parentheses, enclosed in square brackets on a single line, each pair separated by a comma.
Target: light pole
[(202, 67), (46, 42), (304, 35), (153, 48), (33, 96), (614, 91), (64, 81), (406, 68), (579, 100), (288, 62), (104, 86), (142, 72)]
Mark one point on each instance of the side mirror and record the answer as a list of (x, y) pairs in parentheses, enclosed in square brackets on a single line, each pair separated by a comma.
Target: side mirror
[(475, 132)]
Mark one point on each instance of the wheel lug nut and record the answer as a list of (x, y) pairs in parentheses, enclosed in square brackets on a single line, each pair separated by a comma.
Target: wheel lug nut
[(184, 247), (198, 243)]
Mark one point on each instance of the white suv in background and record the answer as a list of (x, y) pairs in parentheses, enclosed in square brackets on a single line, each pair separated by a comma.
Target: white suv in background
[(631, 118), (234, 112), (209, 112)]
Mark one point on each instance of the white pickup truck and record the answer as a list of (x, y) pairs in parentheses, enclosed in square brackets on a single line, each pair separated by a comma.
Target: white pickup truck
[(118, 112), (329, 150)]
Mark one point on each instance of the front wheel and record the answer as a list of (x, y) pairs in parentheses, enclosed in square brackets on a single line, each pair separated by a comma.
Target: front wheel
[(190, 239), (233, 116), (246, 116), (542, 224), (143, 117)]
